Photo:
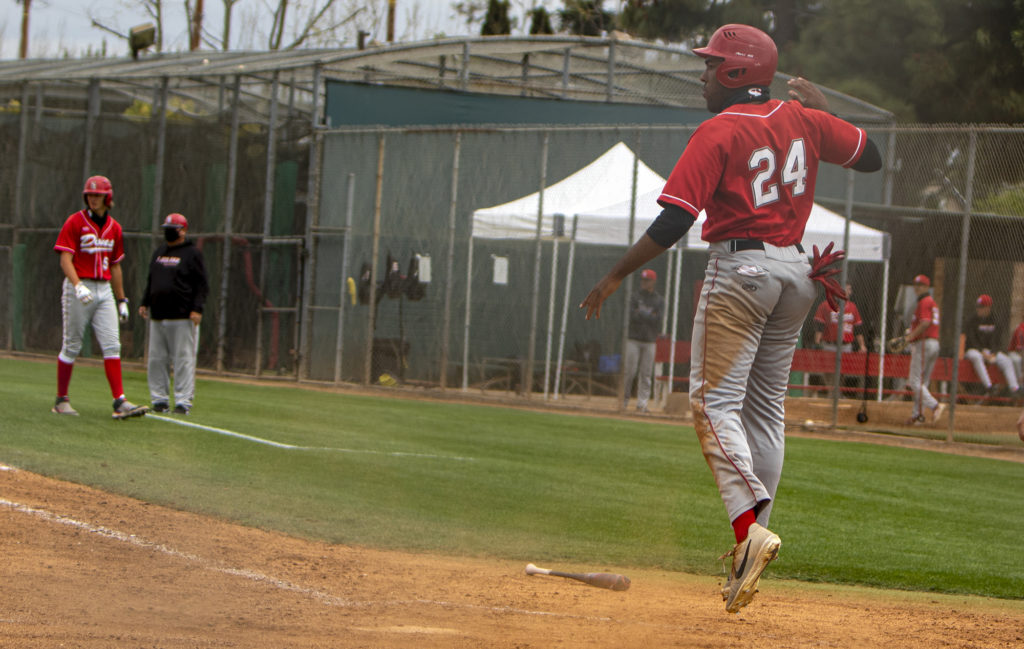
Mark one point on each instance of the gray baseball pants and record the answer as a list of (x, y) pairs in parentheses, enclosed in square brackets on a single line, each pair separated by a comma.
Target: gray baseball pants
[(639, 364), (1003, 362), (172, 343), (923, 354), (101, 313), (752, 307)]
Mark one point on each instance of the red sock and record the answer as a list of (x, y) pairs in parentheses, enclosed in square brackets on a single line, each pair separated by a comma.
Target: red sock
[(742, 524), (63, 377), (113, 369)]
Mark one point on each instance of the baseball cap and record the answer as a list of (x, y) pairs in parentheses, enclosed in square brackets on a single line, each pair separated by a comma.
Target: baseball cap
[(922, 279), (984, 300), (647, 273), (175, 220)]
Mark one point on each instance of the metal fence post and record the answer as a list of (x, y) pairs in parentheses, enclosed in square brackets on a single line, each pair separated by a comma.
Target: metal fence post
[(305, 320), (961, 285), (229, 208), (526, 381), (268, 213), (450, 265), (374, 258)]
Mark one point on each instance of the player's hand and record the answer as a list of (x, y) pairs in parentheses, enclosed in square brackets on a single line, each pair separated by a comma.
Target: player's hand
[(144, 312), (592, 303), (122, 311), (83, 293), (195, 317), (807, 94), (820, 272)]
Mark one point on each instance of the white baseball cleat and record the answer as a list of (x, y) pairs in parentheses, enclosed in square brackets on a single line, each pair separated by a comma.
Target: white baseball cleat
[(123, 408), (749, 559), (63, 407)]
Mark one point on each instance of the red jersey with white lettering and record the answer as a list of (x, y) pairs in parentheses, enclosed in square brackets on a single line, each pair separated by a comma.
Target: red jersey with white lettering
[(754, 166), (829, 319), (93, 251), (927, 310)]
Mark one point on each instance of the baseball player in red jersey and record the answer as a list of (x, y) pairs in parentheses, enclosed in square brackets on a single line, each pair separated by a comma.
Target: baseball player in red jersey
[(1015, 350), (752, 168), (923, 338), (91, 248)]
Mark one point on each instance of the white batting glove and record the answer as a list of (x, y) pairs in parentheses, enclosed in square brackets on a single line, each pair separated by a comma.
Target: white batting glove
[(83, 293), (122, 311)]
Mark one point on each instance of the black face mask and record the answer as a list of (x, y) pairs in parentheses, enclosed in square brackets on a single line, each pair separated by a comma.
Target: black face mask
[(171, 234)]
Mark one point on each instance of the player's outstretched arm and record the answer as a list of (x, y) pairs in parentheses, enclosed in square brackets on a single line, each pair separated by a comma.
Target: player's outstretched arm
[(642, 252)]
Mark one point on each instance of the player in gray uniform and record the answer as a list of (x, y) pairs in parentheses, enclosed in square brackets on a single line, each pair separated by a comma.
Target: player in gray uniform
[(645, 310), (752, 168)]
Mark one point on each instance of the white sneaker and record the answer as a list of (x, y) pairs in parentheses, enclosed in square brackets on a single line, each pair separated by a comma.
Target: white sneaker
[(749, 559), (123, 408), (937, 413), (62, 406)]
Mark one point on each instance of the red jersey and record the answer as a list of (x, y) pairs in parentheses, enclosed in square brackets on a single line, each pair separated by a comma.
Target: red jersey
[(753, 168), (829, 319), (1017, 339), (927, 310), (93, 251)]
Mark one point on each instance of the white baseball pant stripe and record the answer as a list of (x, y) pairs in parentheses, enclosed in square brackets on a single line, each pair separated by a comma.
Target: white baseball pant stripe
[(101, 313), (752, 307), (172, 344), (923, 354), (1003, 362), (639, 364)]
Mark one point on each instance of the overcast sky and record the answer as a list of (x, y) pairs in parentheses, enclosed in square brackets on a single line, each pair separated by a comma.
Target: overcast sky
[(65, 25)]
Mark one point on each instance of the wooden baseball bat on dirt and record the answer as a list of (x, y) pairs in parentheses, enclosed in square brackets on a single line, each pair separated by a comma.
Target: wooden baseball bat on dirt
[(608, 580)]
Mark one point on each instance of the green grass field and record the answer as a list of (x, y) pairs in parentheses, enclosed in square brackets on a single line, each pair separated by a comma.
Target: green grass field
[(496, 482)]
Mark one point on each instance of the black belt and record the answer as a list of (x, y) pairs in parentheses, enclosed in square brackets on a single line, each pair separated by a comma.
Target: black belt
[(736, 245)]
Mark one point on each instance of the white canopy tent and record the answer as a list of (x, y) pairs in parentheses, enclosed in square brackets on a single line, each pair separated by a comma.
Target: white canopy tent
[(607, 207), (615, 176)]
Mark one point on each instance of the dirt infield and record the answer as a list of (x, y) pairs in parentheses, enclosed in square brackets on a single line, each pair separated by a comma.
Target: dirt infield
[(83, 568)]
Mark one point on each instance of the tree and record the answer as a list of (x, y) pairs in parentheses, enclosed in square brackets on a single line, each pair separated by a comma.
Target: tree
[(925, 60), (585, 17), (496, 21), (670, 20), (540, 21)]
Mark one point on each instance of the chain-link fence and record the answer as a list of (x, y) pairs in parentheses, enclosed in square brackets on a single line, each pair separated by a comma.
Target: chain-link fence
[(452, 257)]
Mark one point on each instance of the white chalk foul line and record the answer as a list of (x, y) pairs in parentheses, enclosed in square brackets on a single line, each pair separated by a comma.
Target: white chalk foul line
[(293, 447), (258, 577)]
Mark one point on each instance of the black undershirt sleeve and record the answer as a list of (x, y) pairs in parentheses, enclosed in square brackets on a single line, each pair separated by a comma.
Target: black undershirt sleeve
[(870, 159), (670, 226)]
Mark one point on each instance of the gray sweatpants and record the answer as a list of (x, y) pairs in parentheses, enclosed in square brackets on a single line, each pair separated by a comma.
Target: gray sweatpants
[(639, 365), (1003, 362), (172, 343), (752, 307)]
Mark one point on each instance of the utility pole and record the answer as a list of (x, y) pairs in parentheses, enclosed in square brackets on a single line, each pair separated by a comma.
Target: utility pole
[(391, 21), (196, 28), (25, 6)]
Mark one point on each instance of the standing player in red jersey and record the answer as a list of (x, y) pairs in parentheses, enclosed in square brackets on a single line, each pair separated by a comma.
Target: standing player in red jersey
[(91, 248), (923, 338), (752, 168)]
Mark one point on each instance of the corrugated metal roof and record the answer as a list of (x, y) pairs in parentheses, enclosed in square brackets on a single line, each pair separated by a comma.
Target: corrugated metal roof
[(565, 67)]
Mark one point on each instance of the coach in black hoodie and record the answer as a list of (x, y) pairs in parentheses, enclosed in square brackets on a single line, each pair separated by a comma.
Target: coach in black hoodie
[(175, 292)]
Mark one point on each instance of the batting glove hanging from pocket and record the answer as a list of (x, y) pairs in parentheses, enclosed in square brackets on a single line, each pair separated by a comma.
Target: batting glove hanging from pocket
[(820, 272)]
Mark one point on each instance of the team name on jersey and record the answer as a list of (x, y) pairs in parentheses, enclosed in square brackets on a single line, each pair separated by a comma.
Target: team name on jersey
[(170, 262), (93, 244)]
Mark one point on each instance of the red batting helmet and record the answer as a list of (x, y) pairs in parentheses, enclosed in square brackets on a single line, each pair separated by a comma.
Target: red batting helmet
[(984, 300), (175, 220), (922, 279), (99, 185), (750, 56)]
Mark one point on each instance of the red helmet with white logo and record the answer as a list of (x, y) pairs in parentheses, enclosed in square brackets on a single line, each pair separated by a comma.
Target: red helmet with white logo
[(99, 185), (750, 56), (175, 220)]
